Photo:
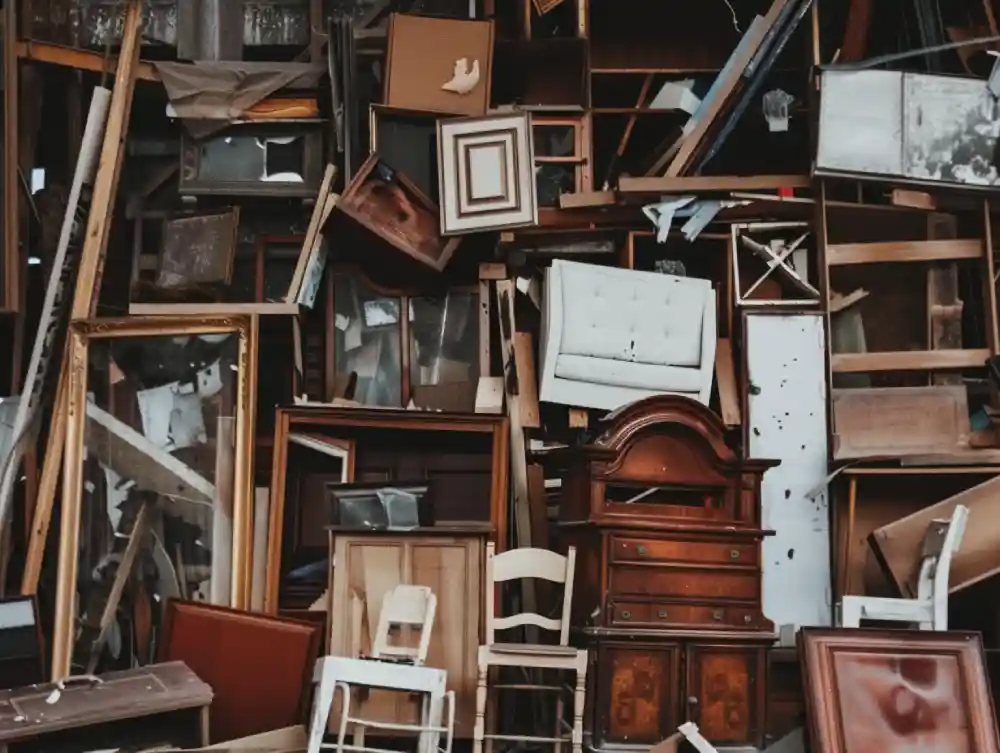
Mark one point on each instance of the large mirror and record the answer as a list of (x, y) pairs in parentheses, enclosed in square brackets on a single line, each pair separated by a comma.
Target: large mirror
[(157, 482)]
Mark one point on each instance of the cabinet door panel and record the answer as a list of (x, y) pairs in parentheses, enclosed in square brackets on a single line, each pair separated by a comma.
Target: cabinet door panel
[(638, 686), (453, 570), (724, 680)]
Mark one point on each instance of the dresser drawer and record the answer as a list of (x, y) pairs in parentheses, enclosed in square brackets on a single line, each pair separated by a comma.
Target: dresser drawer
[(685, 583), (640, 549), (665, 615)]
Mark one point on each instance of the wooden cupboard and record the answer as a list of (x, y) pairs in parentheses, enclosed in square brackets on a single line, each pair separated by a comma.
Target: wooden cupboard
[(365, 565), (667, 596)]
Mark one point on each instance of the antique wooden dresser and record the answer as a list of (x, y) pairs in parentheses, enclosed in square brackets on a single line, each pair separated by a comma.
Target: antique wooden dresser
[(666, 520)]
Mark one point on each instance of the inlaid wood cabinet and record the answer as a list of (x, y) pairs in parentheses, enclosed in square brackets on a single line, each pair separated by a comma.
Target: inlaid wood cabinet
[(667, 598), (366, 565)]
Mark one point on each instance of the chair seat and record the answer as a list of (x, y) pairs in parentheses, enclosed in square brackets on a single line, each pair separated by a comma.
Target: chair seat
[(532, 649)]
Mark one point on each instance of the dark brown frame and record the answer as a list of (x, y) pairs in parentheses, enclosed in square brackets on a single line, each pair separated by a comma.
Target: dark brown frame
[(817, 647)]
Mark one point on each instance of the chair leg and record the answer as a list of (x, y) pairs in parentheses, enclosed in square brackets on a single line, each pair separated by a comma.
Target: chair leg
[(579, 698), (492, 714), (560, 712), (480, 727), (321, 713), (345, 714)]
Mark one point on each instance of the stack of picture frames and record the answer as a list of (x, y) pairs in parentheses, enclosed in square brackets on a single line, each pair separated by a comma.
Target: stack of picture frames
[(896, 691)]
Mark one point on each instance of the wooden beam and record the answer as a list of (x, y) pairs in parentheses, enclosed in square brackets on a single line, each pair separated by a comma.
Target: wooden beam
[(75, 57), (903, 251), (214, 309), (95, 241), (87, 60), (912, 360), (710, 183)]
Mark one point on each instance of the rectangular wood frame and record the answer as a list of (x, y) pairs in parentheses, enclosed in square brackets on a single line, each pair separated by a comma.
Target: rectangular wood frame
[(819, 649), (737, 230), (581, 160), (306, 418), (80, 335)]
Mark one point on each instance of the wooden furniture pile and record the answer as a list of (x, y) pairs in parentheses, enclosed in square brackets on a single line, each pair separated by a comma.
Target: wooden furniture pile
[(542, 336)]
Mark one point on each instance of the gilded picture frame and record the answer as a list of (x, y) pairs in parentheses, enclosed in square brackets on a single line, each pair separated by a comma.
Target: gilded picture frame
[(92, 339), (896, 690)]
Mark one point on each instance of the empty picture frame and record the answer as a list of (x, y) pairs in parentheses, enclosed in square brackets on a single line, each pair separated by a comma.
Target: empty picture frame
[(486, 174), (133, 497), (782, 256)]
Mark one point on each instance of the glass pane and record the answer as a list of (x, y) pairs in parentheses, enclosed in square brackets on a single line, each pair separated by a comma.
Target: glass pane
[(367, 338), (554, 140), (158, 467), (444, 339), (552, 181), (252, 158)]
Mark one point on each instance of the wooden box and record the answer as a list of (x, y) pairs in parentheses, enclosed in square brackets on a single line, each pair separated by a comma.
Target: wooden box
[(162, 704)]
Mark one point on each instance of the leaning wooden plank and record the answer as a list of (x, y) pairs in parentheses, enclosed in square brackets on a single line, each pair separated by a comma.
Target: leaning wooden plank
[(898, 544), (315, 224), (129, 454), (695, 183), (95, 242), (213, 309), (903, 251), (719, 96), (51, 324), (909, 360)]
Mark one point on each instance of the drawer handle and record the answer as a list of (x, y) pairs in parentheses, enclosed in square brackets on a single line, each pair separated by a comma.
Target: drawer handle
[(662, 614), (747, 619), (626, 614), (640, 550), (734, 554), (716, 614)]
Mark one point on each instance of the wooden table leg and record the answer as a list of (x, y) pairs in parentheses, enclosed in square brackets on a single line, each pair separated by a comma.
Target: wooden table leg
[(852, 501)]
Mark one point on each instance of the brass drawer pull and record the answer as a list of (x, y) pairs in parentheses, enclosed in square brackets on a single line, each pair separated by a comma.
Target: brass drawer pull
[(734, 554), (640, 550), (716, 614), (662, 614), (626, 614)]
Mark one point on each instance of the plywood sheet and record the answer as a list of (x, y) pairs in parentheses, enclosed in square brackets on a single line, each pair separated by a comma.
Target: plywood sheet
[(898, 544), (898, 421)]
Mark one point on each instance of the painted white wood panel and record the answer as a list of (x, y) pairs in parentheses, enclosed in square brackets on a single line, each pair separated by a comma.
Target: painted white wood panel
[(786, 420)]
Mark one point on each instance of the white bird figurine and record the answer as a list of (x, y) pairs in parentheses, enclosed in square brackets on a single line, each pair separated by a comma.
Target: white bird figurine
[(463, 80)]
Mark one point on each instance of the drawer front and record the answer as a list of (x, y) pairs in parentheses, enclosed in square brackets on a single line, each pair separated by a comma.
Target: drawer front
[(663, 615), (639, 549), (685, 583)]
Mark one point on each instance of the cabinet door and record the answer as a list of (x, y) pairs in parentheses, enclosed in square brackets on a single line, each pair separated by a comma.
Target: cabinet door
[(724, 689), (636, 693), (369, 565)]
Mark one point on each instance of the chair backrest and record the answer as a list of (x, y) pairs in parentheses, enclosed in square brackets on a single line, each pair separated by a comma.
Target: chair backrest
[(949, 545), (405, 607), (526, 562)]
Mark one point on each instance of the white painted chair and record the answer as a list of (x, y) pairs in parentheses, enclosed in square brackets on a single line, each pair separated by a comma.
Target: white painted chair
[(390, 666), (613, 336), (929, 609), (518, 564)]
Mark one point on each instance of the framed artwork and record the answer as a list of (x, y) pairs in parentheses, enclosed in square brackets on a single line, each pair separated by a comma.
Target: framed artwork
[(896, 691), (486, 173)]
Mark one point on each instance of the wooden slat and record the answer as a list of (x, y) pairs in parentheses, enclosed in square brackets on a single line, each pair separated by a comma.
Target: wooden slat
[(903, 251), (75, 57), (912, 360), (710, 183), (587, 199)]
